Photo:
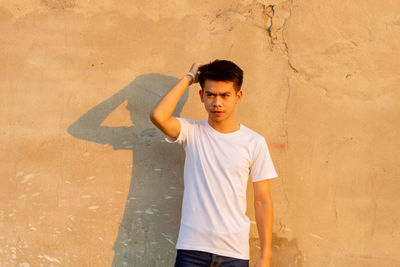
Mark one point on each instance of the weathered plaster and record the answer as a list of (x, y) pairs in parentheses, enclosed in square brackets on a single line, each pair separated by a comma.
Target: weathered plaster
[(87, 180)]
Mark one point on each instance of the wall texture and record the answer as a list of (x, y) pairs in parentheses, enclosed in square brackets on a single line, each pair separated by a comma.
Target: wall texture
[(86, 180)]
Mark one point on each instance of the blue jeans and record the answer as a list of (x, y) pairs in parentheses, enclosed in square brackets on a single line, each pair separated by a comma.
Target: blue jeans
[(195, 258)]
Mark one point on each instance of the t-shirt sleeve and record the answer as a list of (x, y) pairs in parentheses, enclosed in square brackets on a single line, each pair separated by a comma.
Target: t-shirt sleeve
[(262, 167), (185, 126)]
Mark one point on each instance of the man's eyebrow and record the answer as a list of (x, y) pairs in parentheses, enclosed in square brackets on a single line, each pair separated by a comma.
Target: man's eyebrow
[(224, 93)]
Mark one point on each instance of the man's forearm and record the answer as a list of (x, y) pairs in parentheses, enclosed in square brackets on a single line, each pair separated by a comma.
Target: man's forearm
[(165, 107), (264, 218)]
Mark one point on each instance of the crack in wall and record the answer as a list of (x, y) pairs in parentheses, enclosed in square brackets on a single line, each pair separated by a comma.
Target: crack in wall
[(286, 47), (275, 23), (286, 111), (285, 119), (268, 15), (276, 18)]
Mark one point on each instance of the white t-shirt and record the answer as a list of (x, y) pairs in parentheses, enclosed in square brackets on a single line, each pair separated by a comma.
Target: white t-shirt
[(217, 168)]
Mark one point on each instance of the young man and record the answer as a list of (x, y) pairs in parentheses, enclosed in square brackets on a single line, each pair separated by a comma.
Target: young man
[(221, 154)]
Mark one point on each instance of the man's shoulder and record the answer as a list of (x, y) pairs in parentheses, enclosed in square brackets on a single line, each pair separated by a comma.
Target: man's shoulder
[(188, 121), (253, 135)]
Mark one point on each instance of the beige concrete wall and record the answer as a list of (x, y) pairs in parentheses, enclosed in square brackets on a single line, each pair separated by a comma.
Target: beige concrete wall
[(87, 181)]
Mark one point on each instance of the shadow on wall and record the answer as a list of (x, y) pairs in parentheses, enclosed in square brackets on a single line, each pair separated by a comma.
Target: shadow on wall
[(151, 220), (285, 252)]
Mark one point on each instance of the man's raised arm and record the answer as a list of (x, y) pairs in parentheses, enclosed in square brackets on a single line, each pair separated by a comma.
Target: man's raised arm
[(161, 115)]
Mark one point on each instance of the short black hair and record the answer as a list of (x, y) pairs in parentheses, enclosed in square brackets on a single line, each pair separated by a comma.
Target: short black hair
[(221, 70)]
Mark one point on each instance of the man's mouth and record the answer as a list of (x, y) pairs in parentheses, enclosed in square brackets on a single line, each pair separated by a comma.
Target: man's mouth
[(217, 112)]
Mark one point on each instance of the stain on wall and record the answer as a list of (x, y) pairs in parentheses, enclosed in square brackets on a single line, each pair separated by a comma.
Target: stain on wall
[(286, 252), (59, 4)]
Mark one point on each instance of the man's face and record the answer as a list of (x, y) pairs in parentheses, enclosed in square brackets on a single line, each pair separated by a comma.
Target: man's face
[(219, 99)]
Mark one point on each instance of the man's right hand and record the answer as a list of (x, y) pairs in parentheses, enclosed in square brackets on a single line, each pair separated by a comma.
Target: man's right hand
[(195, 71)]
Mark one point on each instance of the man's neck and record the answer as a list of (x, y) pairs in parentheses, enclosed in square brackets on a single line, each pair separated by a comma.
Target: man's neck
[(226, 126)]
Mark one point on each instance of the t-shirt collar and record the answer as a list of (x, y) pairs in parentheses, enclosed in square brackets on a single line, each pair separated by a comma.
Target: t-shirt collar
[(223, 134)]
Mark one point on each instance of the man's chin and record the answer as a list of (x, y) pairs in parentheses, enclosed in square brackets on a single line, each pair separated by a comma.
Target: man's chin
[(216, 118)]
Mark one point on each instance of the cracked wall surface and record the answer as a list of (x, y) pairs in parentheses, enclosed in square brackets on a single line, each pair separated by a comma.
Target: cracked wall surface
[(86, 180)]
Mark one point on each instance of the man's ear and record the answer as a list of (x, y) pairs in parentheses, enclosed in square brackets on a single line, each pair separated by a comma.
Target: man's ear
[(239, 95), (201, 92)]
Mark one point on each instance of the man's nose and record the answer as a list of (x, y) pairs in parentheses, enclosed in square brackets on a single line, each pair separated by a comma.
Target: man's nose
[(217, 101)]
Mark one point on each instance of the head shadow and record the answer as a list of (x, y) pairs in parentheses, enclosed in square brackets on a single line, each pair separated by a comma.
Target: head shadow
[(142, 94)]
